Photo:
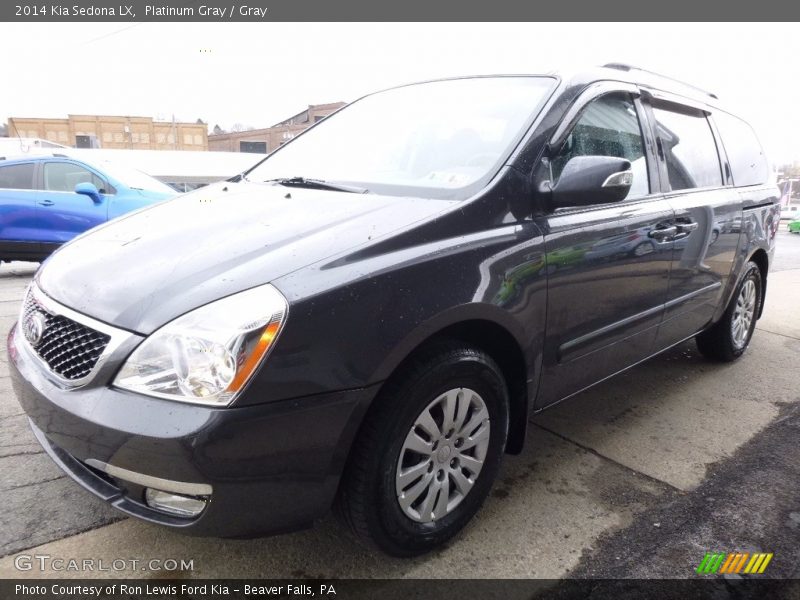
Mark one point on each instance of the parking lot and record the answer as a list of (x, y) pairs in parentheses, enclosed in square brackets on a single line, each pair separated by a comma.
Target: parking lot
[(637, 477)]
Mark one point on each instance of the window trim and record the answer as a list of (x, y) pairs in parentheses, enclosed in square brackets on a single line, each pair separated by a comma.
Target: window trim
[(727, 170), (670, 104)]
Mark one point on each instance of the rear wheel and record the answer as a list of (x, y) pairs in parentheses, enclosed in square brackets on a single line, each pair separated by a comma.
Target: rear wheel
[(428, 452), (727, 339)]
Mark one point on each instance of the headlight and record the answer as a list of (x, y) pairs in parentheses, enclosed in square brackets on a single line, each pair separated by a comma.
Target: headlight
[(208, 355)]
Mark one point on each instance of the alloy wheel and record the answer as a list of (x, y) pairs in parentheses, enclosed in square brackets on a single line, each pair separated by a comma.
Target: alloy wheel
[(743, 314), (442, 455)]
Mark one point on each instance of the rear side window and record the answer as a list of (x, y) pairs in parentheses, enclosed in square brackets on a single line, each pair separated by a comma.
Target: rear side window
[(16, 177), (746, 157), (689, 149)]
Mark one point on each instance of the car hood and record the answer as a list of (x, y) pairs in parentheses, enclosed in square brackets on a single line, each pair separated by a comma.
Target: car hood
[(145, 269)]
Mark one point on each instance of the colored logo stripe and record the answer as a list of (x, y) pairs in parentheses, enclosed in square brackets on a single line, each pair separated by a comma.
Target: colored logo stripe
[(758, 563), (734, 562), (711, 562)]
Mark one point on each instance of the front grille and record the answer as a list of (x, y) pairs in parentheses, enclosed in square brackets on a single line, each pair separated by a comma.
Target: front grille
[(70, 349)]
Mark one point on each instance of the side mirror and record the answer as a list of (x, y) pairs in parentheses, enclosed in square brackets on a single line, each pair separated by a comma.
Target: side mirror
[(589, 180), (89, 189)]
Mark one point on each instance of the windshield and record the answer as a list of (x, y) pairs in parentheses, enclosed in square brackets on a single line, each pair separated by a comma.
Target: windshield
[(134, 178), (439, 139)]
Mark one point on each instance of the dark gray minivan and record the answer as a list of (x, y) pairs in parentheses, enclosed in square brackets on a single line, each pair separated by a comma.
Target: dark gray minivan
[(368, 317)]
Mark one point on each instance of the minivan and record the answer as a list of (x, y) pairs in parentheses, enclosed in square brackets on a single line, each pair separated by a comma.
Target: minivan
[(368, 317)]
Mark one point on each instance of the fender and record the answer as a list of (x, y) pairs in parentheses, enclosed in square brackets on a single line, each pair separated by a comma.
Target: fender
[(454, 316)]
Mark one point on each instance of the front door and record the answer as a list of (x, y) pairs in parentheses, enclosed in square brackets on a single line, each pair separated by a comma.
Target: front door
[(61, 212), (608, 265)]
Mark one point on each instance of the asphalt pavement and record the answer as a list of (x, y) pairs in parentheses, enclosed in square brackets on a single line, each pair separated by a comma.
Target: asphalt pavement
[(637, 477)]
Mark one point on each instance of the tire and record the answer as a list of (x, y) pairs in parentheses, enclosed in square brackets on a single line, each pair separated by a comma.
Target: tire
[(370, 494), (725, 341)]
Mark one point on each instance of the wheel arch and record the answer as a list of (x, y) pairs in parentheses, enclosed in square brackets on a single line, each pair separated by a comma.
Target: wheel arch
[(760, 257), (495, 333)]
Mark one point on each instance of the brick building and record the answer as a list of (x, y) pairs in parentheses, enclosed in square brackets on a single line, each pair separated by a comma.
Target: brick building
[(113, 132), (267, 139)]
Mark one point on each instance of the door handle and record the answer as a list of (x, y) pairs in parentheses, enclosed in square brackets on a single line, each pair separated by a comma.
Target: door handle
[(47, 203), (663, 234), (684, 229)]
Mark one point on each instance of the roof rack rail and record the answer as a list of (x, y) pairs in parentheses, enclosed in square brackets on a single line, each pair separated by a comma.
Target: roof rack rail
[(624, 67)]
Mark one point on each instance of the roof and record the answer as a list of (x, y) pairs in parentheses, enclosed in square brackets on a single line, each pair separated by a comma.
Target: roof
[(646, 79)]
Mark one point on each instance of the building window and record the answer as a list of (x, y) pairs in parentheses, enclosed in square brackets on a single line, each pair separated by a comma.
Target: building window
[(255, 147), (198, 139), (86, 141)]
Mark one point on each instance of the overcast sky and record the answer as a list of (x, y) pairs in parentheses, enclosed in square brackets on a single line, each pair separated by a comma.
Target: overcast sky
[(258, 74)]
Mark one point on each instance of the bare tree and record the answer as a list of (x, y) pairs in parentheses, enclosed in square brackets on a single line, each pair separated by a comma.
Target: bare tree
[(236, 127)]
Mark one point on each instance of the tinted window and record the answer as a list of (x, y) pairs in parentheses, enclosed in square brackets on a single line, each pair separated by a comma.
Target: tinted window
[(609, 126), (17, 177), (689, 149), (64, 176), (745, 155)]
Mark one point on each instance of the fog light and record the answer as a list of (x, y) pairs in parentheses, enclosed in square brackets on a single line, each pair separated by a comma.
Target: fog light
[(175, 504)]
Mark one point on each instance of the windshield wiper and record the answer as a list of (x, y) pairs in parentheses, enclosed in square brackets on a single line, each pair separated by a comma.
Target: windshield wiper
[(317, 184)]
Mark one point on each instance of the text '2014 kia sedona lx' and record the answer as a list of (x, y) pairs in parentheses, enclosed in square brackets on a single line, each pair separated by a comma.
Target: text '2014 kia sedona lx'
[(368, 317)]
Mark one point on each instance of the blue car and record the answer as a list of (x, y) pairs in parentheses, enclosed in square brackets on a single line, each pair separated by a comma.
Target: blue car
[(46, 201)]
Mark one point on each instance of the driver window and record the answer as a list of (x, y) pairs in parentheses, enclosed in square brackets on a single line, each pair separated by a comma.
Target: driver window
[(608, 126), (64, 176)]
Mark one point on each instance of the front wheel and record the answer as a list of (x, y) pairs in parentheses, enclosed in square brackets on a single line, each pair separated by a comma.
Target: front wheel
[(727, 339), (428, 452)]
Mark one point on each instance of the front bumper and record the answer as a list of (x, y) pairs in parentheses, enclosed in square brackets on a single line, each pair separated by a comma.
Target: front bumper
[(271, 467)]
